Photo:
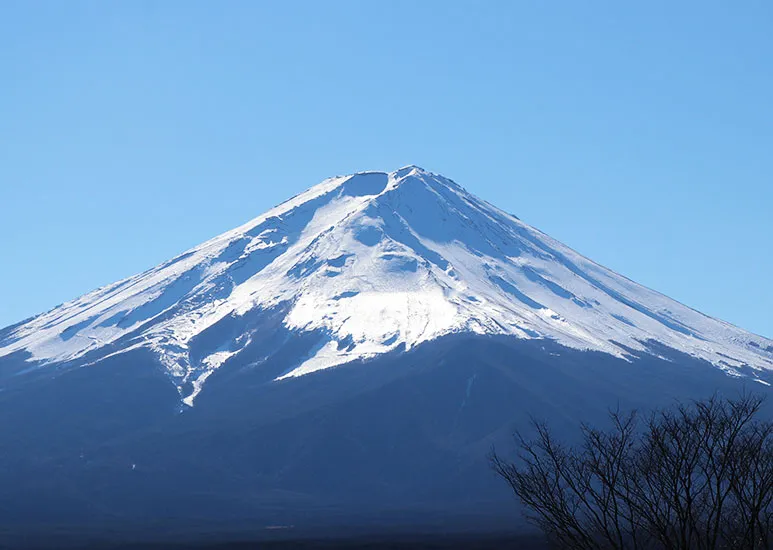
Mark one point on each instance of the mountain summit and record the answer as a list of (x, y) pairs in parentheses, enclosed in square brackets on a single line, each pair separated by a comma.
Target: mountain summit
[(371, 264)]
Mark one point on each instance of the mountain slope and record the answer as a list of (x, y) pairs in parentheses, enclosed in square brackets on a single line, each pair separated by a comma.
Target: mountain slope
[(371, 264)]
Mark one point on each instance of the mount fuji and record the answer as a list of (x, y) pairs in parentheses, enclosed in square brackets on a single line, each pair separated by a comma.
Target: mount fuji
[(353, 352)]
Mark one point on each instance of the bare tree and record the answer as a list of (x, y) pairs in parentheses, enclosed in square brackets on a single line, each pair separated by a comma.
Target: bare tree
[(696, 476)]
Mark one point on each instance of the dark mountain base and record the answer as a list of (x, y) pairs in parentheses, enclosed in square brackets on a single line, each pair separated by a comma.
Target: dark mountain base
[(395, 445)]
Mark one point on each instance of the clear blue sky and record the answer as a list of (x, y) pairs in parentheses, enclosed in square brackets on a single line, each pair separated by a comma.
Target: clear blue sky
[(639, 133)]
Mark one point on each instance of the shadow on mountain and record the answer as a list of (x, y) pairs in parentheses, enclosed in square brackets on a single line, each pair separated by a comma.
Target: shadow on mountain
[(396, 443)]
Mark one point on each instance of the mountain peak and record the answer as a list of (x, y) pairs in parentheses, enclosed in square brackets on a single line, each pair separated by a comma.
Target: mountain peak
[(408, 169), (368, 264)]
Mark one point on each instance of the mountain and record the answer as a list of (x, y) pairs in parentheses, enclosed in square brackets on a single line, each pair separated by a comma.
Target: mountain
[(374, 263), (359, 347)]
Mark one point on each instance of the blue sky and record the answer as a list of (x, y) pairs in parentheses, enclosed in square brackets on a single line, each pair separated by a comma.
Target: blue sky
[(641, 134)]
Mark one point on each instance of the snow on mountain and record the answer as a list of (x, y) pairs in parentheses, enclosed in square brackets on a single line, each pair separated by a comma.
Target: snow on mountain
[(375, 263)]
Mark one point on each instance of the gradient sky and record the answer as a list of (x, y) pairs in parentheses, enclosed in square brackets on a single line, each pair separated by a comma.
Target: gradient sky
[(640, 134)]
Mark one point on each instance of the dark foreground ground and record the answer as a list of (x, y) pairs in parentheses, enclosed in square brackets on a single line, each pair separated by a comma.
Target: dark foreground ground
[(481, 542), (434, 542)]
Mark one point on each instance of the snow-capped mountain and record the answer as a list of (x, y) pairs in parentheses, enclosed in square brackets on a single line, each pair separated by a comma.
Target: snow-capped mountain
[(352, 355), (375, 263)]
